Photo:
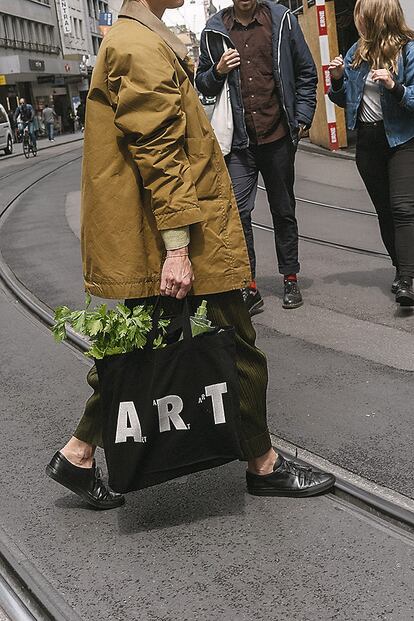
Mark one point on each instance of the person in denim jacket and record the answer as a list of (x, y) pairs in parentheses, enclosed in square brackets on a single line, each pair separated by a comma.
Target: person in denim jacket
[(375, 84)]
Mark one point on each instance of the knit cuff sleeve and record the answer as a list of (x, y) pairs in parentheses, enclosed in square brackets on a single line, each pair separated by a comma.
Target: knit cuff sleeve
[(176, 238)]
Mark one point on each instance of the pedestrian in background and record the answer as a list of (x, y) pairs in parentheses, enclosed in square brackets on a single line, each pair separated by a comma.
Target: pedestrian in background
[(375, 83), (24, 115), (80, 113), (71, 119), (175, 230), (49, 116), (272, 81)]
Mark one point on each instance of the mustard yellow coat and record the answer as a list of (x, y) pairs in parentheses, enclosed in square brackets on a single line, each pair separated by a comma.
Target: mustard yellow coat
[(151, 163)]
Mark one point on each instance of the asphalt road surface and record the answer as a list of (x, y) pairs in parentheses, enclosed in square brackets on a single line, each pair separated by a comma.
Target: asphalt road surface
[(199, 548)]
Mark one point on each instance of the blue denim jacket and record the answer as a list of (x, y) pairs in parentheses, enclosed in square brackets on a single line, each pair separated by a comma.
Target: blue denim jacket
[(398, 116)]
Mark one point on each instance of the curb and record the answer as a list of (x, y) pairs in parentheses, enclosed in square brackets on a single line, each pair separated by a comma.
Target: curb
[(309, 147)]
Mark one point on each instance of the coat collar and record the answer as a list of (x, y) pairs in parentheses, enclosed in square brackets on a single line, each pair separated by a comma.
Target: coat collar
[(136, 10)]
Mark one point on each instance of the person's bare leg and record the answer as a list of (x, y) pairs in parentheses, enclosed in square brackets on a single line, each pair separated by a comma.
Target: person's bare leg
[(79, 453), (263, 464)]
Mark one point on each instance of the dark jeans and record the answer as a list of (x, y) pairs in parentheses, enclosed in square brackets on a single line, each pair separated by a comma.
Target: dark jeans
[(276, 162), (388, 175), (224, 309)]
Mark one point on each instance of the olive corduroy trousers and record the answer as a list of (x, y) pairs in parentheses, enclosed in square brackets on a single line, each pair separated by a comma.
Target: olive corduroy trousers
[(224, 309)]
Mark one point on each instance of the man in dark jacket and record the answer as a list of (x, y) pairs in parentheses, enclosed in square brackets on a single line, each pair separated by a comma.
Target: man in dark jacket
[(24, 115), (272, 82)]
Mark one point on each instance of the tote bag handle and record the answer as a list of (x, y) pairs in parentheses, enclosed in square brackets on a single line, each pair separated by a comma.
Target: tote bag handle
[(180, 321)]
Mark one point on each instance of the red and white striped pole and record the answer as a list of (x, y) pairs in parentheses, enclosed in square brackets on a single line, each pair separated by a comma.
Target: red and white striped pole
[(325, 59)]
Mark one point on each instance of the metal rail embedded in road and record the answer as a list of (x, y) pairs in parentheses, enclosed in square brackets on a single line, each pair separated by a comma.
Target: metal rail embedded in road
[(325, 242), (362, 212)]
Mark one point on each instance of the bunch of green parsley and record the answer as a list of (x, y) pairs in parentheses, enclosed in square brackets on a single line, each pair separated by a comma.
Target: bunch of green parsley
[(114, 331)]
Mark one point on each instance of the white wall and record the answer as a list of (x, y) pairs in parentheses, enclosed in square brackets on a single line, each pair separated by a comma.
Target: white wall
[(408, 6)]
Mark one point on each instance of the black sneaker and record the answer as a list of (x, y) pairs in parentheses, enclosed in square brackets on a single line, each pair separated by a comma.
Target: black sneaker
[(253, 300), (289, 479), (396, 282), (292, 297), (405, 293)]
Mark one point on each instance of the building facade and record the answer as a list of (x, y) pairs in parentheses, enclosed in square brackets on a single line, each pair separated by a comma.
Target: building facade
[(48, 50), (29, 49)]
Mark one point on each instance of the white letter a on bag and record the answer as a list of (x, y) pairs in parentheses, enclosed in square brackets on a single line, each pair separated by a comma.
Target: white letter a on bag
[(128, 423)]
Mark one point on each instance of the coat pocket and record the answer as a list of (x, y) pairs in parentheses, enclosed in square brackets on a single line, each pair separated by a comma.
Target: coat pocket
[(203, 168)]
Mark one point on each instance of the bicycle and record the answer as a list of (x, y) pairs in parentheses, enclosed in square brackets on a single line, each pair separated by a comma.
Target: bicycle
[(28, 145)]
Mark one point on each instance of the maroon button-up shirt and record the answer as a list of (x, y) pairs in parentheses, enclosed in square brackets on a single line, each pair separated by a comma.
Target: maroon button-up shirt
[(262, 110)]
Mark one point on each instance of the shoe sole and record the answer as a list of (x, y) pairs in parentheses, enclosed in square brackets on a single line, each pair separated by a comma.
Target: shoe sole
[(313, 491), (256, 308), (404, 300), (80, 492), (298, 305)]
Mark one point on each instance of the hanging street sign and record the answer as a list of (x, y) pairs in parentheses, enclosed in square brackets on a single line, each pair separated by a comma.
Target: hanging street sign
[(64, 10)]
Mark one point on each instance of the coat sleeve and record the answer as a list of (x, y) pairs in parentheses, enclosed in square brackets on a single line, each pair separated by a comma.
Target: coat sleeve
[(337, 91), (408, 97), (146, 97), (206, 80), (306, 76)]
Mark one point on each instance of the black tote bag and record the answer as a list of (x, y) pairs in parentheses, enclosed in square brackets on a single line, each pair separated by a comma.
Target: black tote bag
[(172, 411)]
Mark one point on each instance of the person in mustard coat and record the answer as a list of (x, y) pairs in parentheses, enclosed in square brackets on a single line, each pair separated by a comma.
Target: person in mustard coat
[(159, 217)]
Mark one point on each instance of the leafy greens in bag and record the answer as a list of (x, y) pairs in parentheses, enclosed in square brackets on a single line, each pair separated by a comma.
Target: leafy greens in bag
[(114, 331)]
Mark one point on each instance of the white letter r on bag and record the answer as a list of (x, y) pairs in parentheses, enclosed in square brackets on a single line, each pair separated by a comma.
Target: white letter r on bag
[(169, 409)]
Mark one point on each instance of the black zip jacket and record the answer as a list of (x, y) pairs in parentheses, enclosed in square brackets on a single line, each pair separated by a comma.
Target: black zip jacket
[(293, 69)]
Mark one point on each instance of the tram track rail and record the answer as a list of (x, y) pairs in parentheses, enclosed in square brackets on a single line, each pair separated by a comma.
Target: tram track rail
[(22, 170), (25, 595), (361, 212), (325, 242)]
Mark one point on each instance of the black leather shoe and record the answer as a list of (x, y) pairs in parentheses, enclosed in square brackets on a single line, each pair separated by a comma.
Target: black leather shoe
[(289, 479), (85, 482), (253, 300), (405, 293), (292, 297), (396, 282)]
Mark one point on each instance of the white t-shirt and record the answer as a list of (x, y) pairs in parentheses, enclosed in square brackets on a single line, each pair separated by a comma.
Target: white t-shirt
[(370, 109)]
